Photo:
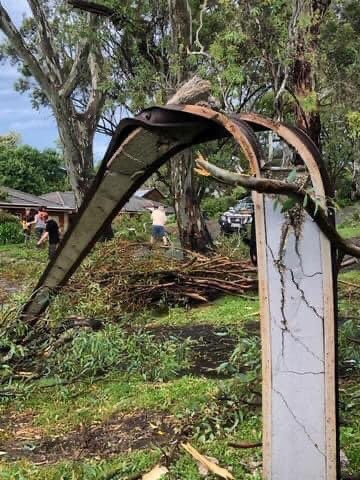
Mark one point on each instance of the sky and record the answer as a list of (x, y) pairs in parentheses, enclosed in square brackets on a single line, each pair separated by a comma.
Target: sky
[(37, 128)]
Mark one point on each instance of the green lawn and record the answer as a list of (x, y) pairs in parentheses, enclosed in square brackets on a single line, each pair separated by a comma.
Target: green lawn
[(350, 231)]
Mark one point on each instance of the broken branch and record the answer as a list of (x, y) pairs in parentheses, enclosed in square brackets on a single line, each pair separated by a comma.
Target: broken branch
[(278, 187)]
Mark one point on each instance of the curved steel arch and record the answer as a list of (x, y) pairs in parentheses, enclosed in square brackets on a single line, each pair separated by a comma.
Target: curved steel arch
[(138, 148)]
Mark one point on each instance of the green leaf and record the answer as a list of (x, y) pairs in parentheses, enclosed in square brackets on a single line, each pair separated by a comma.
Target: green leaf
[(305, 202), (317, 203), (288, 204), (292, 176)]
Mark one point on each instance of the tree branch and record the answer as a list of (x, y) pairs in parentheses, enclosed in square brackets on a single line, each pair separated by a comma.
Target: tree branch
[(97, 95), (278, 187), (50, 55), (194, 91), (100, 10), (79, 63), (14, 36), (92, 7)]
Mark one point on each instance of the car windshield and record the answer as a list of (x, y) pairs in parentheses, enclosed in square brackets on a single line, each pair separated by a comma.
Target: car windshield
[(244, 203)]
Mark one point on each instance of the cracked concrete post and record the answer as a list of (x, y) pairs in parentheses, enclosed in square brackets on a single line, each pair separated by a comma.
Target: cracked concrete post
[(298, 346)]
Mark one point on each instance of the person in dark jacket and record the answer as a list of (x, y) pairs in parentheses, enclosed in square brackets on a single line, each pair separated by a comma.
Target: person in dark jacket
[(52, 234)]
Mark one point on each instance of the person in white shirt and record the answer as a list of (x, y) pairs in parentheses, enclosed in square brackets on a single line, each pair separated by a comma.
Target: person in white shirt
[(158, 217)]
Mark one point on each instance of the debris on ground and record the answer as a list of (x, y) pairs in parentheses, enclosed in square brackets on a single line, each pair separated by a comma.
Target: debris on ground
[(206, 463), (134, 276)]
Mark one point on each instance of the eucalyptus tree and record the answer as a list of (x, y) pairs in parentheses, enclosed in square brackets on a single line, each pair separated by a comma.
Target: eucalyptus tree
[(61, 63)]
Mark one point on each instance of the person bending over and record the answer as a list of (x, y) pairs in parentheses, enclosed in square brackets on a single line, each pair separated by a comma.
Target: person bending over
[(52, 234), (158, 217)]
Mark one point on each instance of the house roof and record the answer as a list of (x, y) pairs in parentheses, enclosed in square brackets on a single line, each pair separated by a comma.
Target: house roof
[(16, 198), (136, 204), (66, 199), (146, 191)]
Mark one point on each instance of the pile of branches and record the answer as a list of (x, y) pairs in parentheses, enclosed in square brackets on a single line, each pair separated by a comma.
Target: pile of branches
[(133, 276)]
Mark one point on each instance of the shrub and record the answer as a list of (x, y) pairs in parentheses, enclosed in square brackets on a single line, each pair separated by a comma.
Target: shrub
[(6, 217), (216, 206), (135, 227), (10, 232)]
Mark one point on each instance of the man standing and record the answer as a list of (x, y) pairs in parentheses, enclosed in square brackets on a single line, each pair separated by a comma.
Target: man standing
[(158, 217), (39, 222), (27, 221), (51, 233)]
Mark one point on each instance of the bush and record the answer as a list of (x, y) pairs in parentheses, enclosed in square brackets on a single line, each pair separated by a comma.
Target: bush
[(10, 232), (7, 217), (216, 206), (133, 227), (352, 221)]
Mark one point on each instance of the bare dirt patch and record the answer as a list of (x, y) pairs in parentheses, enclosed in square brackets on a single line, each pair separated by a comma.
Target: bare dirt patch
[(119, 433), (7, 288)]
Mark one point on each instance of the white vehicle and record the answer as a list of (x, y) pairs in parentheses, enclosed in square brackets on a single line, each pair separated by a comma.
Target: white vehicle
[(237, 217)]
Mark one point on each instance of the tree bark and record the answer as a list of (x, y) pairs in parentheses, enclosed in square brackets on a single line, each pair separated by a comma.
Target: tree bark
[(77, 142), (193, 231), (304, 71), (355, 181)]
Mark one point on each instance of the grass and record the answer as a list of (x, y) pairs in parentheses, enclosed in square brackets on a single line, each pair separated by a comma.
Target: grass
[(349, 232), (227, 311), (57, 410), (22, 262)]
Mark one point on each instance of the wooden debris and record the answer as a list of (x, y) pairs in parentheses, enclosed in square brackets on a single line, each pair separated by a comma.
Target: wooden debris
[(134, 277), (156, 473), (245, 444), (208, 464)]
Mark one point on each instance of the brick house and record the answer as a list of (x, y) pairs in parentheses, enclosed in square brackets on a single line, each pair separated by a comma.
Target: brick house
[(16, 202)]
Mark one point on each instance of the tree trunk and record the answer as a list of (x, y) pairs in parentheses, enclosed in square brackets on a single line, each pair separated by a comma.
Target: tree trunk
[(193, 231), (304, 87), (355, 181), (304, 77), (77, 141)]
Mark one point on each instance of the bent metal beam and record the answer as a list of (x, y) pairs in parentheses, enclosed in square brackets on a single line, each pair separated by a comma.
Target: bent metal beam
[(295, 277)]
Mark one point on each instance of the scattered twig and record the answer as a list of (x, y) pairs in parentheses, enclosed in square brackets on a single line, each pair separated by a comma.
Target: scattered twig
[(349, 284), (349, 262), (136, 280), (208, 464), (245, 444)]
